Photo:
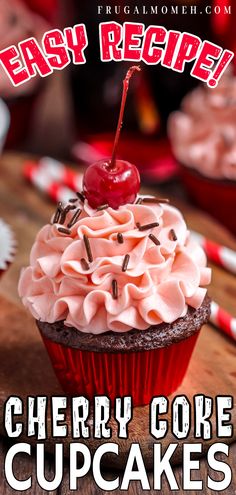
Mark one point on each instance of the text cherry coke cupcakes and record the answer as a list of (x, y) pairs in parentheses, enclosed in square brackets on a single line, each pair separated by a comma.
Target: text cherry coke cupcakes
[(117, 287)]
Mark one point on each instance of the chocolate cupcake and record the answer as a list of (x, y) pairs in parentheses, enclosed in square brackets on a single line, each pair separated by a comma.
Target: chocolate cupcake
[(116, 286), (203, 138), (118, 297)]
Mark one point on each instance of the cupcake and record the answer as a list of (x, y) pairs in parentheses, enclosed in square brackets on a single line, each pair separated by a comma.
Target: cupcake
[(117, 287), (7, 246), (118, 297), (17, 23), (203, 138)]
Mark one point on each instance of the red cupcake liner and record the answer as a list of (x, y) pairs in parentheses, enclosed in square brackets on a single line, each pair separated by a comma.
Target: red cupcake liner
[(214, 196), (141, 374)]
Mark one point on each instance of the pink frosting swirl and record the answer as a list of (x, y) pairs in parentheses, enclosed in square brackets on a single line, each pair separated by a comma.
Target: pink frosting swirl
[(158, 285), (203, 134)]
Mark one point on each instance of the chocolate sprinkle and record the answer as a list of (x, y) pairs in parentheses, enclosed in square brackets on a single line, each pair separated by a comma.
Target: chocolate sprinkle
[(138, 201), (58, 212), (102, 207), (154, 239), (80, 196), (73, 200), (155, 200), (56, 216), (74, 218), (88, 248), (125, 263), (64, 231), (147, 226), (114, 289), (120, 238), (173, 235), (62, 217), (64, 213), (84, 264)]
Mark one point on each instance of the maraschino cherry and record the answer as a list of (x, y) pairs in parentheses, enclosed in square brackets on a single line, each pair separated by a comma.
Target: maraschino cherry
[(113, 182)]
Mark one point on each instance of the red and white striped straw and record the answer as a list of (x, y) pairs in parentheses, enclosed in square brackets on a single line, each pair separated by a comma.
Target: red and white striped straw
[(53, 178), (217, 253), (223, 320)]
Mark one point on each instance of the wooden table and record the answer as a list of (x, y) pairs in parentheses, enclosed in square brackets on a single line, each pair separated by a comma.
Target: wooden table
[(27, 211)]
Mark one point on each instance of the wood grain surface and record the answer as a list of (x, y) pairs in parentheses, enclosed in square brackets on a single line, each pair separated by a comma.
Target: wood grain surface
[(25, 368)]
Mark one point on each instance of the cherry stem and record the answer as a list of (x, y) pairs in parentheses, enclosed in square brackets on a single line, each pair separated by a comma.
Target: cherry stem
[(121, 114)]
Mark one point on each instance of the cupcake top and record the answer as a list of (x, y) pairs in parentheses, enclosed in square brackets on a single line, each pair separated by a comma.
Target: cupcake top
[(114, 270), (203, 133)]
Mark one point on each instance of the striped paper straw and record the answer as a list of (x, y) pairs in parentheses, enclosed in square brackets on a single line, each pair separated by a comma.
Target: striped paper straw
[(217, 253), (223, 320), (53, 178)]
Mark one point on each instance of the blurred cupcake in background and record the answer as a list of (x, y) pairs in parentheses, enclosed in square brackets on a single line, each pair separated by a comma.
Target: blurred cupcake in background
[(7, 246), (8, 243), (18, 22), (203, 139)]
